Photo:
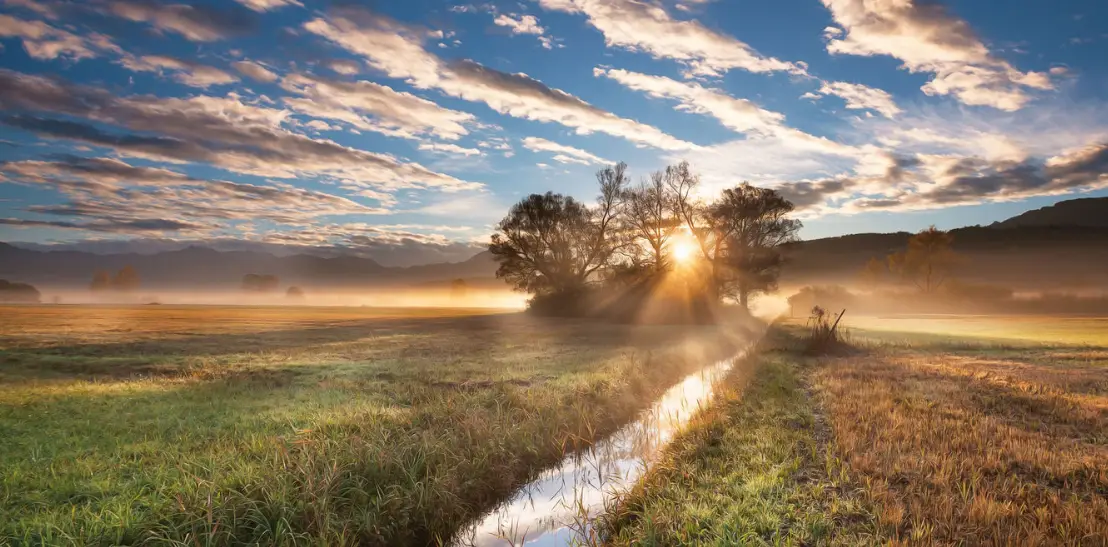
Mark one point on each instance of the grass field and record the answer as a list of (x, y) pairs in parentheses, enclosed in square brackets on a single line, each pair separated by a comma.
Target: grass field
[(166, 425), (952, 430)]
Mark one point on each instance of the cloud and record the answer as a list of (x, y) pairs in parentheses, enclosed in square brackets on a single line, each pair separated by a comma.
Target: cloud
[(112, 195), (375, 107), (524, 24), (641, 26), (44, 42), (397, 51), (221, 131), (738, 114), (449, 149), (859, 97), (563, 153), (255, 71), (190, 73), (197, 23), (112, 226), (266, 5), (926, 38)]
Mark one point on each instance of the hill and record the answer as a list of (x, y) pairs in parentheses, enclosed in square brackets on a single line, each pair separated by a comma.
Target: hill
[(1085, 212), (203, 268), (1061, 247)]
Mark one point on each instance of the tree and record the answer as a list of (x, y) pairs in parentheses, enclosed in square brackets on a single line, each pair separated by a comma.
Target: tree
[(126, 279), (101, 281), (753, 223), (873, 273), (550, 243), (698, 219), (927, 261), (650, 216), (294, 293), (260, 283)]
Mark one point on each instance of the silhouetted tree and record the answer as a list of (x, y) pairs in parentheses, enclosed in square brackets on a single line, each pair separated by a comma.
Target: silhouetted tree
[(294, 293), (927, 261), (101, 281), (753, 224), (260, 283), (650, 217), (126, 279), (18, 292), (550, 243)]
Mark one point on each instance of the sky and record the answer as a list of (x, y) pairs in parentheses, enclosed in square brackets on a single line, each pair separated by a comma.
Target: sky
[(404, 131)]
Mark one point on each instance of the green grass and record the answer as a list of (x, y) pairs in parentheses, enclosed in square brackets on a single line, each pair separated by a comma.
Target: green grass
[(166, 425), (749, 470)]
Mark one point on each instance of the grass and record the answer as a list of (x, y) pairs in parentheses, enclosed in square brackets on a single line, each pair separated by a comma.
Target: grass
[(162, 425), (749, 470), (968, 431)]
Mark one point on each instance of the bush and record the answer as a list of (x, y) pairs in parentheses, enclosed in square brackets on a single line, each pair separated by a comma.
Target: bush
[(824, 336), (834, 297)]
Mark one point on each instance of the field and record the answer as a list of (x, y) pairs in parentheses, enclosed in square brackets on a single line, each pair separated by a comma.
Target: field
[(166, 425), (932, 430)]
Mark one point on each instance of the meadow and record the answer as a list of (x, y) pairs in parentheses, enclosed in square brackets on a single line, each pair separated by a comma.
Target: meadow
[(928, 430), (202, 425)]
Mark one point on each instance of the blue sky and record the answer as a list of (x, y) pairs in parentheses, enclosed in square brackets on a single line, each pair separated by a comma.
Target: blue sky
[(405, 130)]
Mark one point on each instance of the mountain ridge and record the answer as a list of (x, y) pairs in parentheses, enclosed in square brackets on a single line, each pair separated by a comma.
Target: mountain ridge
[(1007, 252)]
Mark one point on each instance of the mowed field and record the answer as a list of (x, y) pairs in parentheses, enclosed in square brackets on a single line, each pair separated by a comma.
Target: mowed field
[(164, 425), (931, 431)]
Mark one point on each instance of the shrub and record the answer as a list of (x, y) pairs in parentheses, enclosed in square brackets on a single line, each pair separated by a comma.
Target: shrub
[(824, 336)]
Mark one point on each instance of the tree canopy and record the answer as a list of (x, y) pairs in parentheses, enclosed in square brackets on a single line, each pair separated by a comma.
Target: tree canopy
[(552, 245)]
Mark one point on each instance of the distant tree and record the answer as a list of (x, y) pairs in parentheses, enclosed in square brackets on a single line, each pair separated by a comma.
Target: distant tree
[(18, 292), (873, 273), (126, 279), (756, 223), (927, 261), (458, 289), (550, 243), (260, 283), (101, 281), (650, 217), (294, 293)]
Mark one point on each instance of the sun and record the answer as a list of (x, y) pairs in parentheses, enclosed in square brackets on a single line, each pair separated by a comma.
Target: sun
[(682, 252)]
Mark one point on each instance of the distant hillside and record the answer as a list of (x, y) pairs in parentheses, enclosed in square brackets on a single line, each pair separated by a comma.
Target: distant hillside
[(1041, 258), (1060, 247), (1085, 212), (199, 267)]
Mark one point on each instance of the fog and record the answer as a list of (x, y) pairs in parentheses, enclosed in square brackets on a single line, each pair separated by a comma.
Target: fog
[(381, 297)]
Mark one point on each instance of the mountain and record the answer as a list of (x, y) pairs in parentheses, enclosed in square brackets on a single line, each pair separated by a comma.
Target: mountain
[(200, 267), (1085, 212), (1054, 248)]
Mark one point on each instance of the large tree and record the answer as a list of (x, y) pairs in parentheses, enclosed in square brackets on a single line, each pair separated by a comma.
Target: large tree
[(553, 243), (708, 229), (650, 218), (753, 223)]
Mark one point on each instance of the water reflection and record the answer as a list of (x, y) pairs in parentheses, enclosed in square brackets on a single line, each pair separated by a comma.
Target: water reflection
[(557, 508)]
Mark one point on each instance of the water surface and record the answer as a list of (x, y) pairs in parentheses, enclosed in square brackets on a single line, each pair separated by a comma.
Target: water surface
[(557, 508)]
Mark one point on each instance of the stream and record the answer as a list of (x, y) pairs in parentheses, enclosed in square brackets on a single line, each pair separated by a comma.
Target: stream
[(559, 506)]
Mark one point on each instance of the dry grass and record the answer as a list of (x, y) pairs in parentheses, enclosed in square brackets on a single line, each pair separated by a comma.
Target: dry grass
[(956, 442)]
